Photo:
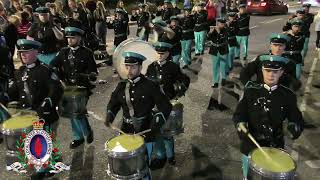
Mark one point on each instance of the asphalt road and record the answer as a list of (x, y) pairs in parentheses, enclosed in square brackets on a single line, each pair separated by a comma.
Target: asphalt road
[(208, 149)]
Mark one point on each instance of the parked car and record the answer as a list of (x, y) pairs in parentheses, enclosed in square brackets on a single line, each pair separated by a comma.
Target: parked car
[(267, 7)]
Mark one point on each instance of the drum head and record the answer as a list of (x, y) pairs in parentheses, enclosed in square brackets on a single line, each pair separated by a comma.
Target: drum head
[(137, 46), (125, 143), (280, 162), (19, 122), (14, 112), (74, 90)]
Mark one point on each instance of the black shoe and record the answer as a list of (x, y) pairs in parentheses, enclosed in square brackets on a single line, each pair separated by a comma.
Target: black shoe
[(223, 82), (185, 67), (90, 137), (215, 85), (75, 143), (47, 174), (1, 139), (236, 58), (157, 163), (244, 58), (172, 161)]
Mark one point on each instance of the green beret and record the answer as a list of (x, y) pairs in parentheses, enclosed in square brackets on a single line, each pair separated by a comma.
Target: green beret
[(232, 14), (297, 22), (174, 18), (162, 46), (42, 10), (159, 22), (221, 20), (273, 62), (73, 31), (242, 6), (27, 45), (131, 58), (300, 11), (279, 38), (306, 5)]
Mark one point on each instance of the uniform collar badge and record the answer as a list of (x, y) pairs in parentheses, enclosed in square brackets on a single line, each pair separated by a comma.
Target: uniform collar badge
[(270, 88)]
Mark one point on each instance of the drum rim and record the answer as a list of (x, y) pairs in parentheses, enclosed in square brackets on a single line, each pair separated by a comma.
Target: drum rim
[(135, 176), (139, 150), (255, 167), (9, 132)]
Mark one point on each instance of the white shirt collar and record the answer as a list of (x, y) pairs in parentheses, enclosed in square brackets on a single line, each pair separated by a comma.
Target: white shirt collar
[(135, 80), (161, 63), (270, 88), (74, 48), (32, 65)]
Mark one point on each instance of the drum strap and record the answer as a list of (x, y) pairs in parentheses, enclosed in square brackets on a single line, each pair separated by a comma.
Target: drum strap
[(128, 101), (26, 88)]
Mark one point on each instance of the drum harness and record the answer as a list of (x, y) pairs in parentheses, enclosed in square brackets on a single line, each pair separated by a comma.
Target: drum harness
[(136, 122)]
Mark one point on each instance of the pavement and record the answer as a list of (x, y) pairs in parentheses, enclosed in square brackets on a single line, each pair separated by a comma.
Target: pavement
[(209, 147)]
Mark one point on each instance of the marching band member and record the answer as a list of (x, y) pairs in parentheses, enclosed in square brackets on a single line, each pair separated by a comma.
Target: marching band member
[(47, 33), (175, 41), (119, 24), (243, 33), (294, 46), (232, 28), (219, 52), (143, 19), (277, 47), (200, 29), (308, 19), (187, 36), (137, 97), (166, 11), (174, 85), (76, 67), (300, 15), (264, 107), (164, 33)]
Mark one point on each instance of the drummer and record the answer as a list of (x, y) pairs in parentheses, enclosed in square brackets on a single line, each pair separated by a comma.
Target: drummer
[(174, 84), (36, 86), (264, 107), (137, 96), (76, 67)]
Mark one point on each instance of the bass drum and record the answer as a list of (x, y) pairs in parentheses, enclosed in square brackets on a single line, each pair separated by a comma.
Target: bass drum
[(134, 45)]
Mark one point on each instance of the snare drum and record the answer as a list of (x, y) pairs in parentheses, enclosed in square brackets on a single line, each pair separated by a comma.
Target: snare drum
[(174, 124), (12, 130), (127, 157), (74, 101), (282, 166)]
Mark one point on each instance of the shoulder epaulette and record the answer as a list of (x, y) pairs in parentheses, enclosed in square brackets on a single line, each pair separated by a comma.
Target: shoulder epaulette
[(285, 87), (251, 84)]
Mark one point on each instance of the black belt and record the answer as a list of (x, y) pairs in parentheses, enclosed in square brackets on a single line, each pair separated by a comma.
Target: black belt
[(119, 35), (247, 27), (188, 30), (293, 52), (219, 45), (130, 120)]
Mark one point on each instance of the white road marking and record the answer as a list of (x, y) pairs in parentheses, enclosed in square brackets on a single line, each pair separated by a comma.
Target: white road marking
[(315, 164), (273, 20), (308, 84), (94, 115), (254, 27)]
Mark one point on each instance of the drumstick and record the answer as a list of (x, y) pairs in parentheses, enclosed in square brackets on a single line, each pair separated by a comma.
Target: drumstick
[(143, 132), (244, 129), (117, 129)]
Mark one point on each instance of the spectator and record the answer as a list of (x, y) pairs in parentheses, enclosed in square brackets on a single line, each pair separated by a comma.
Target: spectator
[(24, 26), (212, 13), (15, 7), (317, 28), (233, 7), (3, 18), (218, 5), (11, 32), (100, 15), (120, 5)]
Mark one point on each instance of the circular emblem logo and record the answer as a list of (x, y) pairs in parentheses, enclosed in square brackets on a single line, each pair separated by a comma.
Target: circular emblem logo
[(38, 147)]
